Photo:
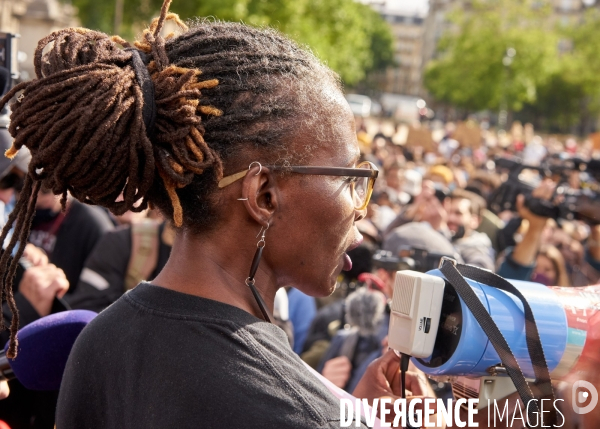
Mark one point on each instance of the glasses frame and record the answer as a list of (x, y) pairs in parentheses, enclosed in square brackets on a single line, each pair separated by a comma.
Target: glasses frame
[(372, 174)]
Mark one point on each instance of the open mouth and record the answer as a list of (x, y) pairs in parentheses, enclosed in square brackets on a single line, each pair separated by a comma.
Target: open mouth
[(347, 261)]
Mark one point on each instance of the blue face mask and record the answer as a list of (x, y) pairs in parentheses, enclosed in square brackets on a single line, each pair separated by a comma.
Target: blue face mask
[(541, 278)]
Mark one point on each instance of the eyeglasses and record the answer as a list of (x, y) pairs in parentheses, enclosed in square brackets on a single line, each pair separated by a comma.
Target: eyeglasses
[(362, 178)]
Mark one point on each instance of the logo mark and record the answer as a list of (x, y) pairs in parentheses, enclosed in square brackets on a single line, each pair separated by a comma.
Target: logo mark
[(580, 396)]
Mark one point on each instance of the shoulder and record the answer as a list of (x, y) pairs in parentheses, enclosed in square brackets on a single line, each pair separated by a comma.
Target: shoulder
[(120, 236), (475, 240), (113, 245), (175, 359), (481, 238)]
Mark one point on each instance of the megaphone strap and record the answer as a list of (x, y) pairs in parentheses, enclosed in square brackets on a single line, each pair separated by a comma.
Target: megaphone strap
[(454, 275), (534, 343)]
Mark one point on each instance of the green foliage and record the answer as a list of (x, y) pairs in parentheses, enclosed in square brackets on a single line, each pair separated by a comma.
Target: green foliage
[(349, 36), (558, 105), (580, 65), (382, 41), (470, 72), (553, 77)]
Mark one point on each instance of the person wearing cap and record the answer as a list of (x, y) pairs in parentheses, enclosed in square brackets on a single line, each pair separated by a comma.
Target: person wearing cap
[(440, 174), (402, 242)]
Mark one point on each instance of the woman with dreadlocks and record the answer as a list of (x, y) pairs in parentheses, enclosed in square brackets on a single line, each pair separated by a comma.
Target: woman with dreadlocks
[(230, 131)]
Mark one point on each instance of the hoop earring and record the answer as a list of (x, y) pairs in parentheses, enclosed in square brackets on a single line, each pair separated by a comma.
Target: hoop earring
[(259, 167), (259, 170), (253, 268)]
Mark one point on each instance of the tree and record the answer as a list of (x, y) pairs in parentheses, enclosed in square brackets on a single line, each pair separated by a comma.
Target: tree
[(382, 41), (580, 65), (558, 104), (349, 36), (474, 72)]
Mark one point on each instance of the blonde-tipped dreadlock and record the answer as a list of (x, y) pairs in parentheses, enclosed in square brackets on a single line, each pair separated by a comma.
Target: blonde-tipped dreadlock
[(82, 121)]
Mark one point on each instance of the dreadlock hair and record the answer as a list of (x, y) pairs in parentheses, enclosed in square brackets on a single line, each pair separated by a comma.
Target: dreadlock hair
[(82, 120)]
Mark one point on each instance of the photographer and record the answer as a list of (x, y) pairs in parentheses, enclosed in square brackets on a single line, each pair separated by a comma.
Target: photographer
[(427, 206), (534, 259)]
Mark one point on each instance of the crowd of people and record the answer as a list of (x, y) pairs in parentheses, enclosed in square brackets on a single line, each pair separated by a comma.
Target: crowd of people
[(425, 205), (184, 146), (439, 202)]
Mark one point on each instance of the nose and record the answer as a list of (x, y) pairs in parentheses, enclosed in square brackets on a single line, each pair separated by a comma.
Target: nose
[(360, 214)]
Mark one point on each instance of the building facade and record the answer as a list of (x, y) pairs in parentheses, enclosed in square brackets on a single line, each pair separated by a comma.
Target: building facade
[(33, 20), (405, 77)]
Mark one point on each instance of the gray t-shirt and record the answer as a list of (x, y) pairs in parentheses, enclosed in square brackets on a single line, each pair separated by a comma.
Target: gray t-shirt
[(162, 359)]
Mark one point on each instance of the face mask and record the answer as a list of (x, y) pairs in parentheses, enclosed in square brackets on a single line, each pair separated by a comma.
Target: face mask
[(45, 215), (460, 233), (541, 278)]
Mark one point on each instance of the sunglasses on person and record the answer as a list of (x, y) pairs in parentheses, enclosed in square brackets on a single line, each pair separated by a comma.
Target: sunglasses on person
[(362, 178)]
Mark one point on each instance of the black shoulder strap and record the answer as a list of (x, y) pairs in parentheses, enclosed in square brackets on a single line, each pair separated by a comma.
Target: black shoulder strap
[(534, 343), (454, 275)]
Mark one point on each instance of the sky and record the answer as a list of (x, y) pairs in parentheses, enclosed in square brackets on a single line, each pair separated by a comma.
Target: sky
[(408, 5), (421, 5)]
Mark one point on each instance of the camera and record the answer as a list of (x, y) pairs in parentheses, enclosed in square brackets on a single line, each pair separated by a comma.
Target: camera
[(8, 53), (569, 204)]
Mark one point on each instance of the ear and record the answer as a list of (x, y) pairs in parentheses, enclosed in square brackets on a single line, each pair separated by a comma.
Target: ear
[(260, 189)]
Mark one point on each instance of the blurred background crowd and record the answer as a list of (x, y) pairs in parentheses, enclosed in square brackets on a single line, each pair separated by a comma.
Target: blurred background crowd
[(479, 115), (524, 206)]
